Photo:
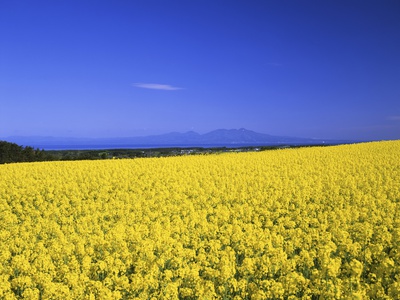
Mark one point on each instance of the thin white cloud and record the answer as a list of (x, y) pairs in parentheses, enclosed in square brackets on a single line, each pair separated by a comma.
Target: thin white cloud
[(156, 86), (394, 118)]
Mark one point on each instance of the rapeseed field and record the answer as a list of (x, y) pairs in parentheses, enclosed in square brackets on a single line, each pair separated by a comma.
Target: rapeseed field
[(307, 223)]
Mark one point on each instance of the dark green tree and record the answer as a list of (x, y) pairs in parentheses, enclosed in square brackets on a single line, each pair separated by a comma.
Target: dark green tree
[(12, 153)]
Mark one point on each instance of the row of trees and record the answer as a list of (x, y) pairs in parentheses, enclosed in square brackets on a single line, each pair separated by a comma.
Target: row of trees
[(10, 153), (13, 153)]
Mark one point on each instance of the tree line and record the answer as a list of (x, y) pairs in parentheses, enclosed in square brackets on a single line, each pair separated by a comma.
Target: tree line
[(11, 153), (14, 153)]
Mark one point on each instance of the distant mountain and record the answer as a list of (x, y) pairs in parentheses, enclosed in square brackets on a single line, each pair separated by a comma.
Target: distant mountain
[(244, 136), (219, 137)]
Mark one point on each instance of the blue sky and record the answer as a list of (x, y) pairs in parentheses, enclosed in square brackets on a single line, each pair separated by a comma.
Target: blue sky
[(323, 69)]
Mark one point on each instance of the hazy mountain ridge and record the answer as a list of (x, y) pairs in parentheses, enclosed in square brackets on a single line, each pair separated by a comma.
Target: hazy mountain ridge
[(219, 137)]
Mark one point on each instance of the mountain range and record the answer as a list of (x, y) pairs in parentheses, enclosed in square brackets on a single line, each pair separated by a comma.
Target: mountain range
[(219, 137)]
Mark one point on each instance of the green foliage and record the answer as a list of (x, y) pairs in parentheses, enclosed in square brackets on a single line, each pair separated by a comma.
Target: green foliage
[(11, 153)]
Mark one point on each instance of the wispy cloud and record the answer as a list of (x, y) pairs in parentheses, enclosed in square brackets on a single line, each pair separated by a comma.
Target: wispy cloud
[(394, 118), (156, 86)]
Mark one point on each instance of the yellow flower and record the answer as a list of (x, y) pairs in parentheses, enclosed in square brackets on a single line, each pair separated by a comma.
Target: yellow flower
[(309, 223)]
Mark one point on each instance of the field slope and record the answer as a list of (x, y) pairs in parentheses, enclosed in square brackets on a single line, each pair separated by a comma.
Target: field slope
[(311, 223)]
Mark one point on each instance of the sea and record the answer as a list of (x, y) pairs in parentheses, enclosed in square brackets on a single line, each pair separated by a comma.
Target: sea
[(130, 146)]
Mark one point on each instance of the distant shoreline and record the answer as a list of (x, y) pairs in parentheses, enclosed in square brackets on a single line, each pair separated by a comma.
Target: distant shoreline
[(163, 146), (12, 153), (230, 138)]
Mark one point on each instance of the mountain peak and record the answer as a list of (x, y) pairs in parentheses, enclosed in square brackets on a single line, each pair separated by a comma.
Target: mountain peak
[(219, 137)]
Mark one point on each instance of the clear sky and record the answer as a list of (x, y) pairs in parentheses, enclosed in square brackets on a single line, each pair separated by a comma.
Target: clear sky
[(322, 69)]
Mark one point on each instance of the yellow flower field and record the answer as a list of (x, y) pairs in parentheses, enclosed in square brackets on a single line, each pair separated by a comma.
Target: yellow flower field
[(308, 223)]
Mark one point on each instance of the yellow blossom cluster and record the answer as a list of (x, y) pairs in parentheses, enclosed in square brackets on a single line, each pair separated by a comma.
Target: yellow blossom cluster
[(307, 223)]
